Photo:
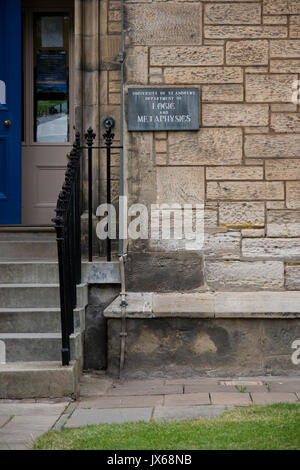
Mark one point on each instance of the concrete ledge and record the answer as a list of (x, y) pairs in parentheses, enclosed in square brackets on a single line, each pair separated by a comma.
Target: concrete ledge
[(39, 380), (101, 272), (256, 304)]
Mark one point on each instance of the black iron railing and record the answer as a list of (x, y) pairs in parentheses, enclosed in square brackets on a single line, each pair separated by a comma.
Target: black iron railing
[(68, 236), (67, 225), (108, 137)]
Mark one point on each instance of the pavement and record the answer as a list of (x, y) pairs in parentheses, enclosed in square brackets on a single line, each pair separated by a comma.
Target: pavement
[(106, 400)]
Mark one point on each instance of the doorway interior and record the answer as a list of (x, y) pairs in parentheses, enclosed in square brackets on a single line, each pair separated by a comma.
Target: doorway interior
[(47, 105)]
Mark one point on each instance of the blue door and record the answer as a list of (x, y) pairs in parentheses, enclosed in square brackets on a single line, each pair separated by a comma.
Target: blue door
[(10, 111)]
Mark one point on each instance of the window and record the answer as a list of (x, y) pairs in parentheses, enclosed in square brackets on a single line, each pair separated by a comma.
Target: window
[(51, 77)]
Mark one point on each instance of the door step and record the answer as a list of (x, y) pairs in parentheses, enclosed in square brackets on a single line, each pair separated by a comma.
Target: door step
[(29, 249), (36, 295), (21, 380), (30, 347), (37, 320), (29, 272)]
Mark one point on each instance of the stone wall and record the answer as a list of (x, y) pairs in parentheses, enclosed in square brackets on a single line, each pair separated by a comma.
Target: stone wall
[(245, 160)]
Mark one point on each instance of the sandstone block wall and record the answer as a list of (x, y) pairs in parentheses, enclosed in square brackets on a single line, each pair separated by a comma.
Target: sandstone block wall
[(244, 161)]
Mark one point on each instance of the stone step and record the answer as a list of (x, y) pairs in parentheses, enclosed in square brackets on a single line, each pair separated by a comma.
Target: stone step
[(18, 272), (36, 295), (30, 347), (36, 320), (31, 249), (39, 380), (30, 234)]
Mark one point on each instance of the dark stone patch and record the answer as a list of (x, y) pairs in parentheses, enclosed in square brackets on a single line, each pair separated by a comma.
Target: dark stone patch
[(95, 335), (164, 272), (180, 346)]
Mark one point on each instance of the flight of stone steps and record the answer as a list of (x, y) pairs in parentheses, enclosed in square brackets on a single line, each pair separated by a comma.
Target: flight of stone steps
[(30, 337)]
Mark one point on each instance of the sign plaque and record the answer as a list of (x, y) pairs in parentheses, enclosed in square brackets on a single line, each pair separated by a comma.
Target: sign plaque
[(163, 109)]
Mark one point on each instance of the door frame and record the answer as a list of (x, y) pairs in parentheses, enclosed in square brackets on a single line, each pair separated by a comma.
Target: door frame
[(29, 7)]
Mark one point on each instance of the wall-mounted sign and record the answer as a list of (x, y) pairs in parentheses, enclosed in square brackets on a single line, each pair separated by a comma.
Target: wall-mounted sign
[(51, 72), (163, 109)]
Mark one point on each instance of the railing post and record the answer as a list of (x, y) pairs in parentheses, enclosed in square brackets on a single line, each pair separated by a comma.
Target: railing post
[(77, 209), (90, 137), (59, 226), (109, 124)]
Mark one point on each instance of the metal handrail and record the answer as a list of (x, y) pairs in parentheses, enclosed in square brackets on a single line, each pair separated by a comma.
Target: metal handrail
[(67, 225), (68, 236)]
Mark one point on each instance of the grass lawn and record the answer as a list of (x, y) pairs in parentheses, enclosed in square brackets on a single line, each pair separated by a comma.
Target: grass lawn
[(256, 427)]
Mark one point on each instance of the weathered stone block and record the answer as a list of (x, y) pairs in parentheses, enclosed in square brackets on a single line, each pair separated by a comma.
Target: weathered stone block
[(222, 93), (242, 214), (285, 66), (184, 304), (292, 277), (293, 195), (271, 248), (177, 347), (245, 32), (281, 7), (156, 75), (234, 173), (198, 75), (283, 169), (272, 146), (283, 223), (253, 232), (222, 245), (285, 122), (240, 13), (268, 88), (245, 275), (279, 337), (245, 190), (137, 65), (222, 146), (295, 26), (164, 272), (235, 115), (180, 185), (272, 19), (257, 303), (187, 55), (285, 48), (164, 24), (247, 52)]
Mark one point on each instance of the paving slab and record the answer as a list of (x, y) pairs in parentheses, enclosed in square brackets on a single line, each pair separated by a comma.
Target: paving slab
[(131, 401), (194, 388), (192, 381), (32, 409), (285, 386), (187, 399), (187, 412), (82, 417), (268, 398), (34, 422), (145, 390), (227, 398), (94, 385), (3, 420), (19, 436)]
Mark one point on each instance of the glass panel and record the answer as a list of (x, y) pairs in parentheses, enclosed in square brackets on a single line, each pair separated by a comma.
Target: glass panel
[(51, 67)]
